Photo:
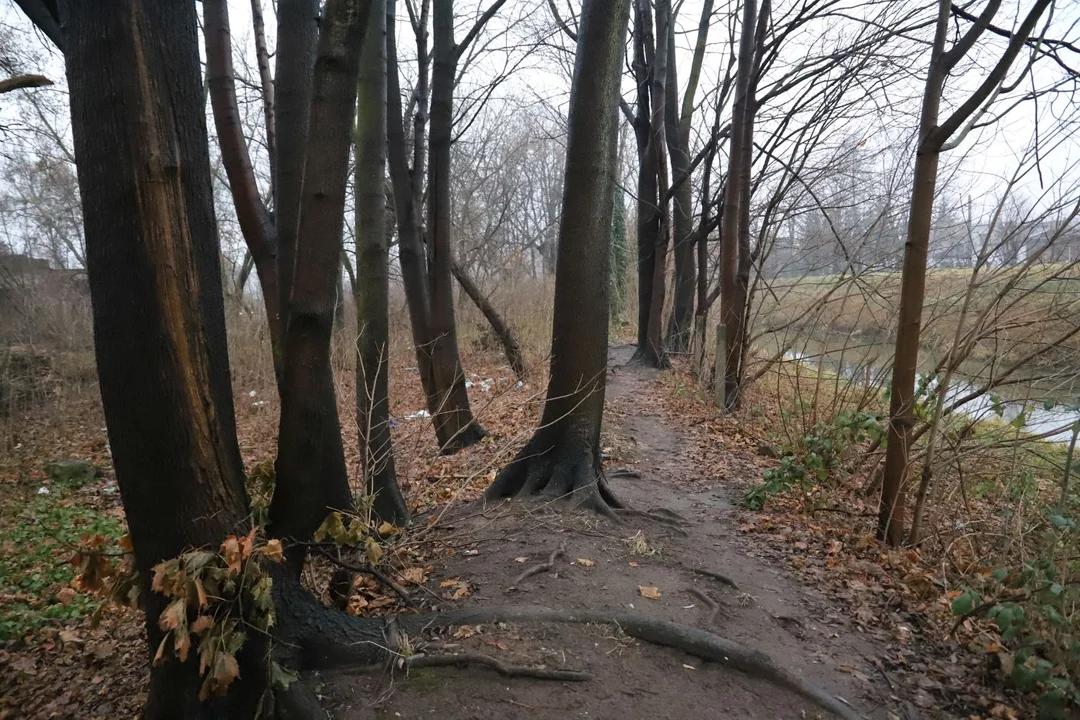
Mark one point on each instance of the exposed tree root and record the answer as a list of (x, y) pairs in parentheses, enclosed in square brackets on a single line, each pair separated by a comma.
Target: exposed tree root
[(541, 673), (623, 472), (670, 523), (468, 436), (320, 638), (713, 605), (554, 472), (716, 576), (542, 567)]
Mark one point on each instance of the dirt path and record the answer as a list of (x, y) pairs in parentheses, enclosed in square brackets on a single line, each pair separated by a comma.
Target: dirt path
[(613, 566)]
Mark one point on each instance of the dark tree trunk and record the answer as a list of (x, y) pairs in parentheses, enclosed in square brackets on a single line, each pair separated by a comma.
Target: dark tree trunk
[(731, 311), (682, 309), (454, 423), (297, 37), (654, 353), (648, 221), (373, 279), (411, 253), (159, 324), (312, 478), (509, 342), (254, 219), (563, 457)]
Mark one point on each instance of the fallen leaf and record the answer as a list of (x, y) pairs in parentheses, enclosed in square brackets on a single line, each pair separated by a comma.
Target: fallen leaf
[(633, 564), (689, 667), (496, 644), (226, 669), (414, 575), (274, 551), (388, 529), (586, 563), (450, 583), (648, 591), (233, 554), (70, 636), (466, 631), (66, 596), (521, 559), (461, 592)]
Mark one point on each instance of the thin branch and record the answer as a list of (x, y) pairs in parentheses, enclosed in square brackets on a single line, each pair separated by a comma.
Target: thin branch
[(20, 82)]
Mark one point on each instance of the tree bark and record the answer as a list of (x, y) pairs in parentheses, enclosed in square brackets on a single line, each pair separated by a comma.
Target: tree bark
[(454, 423), (655, 353), (731, 311), (682, 310), (411, 253), (563, 457), (297, 37), (312, 478), (373, 280), (251, 214), (155, 282), (648, 220), (932, 138)]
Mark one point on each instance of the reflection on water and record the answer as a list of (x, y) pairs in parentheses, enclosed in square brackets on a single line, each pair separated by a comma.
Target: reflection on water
[(868, 369)]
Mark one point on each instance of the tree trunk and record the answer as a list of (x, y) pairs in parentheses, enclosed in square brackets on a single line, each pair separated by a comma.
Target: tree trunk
[(297, 37), (251, 214), (563, 457), (682, 309), (373, 280), (511, 348), (731, 311), (655, 354), (312, 478), (411, 253), (648, 222), (454, 423), (155, 282)]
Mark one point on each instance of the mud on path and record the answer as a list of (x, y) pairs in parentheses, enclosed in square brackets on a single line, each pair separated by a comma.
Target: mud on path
[(616, 566)]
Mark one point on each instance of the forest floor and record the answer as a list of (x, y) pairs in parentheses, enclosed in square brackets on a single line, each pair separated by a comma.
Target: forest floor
[(820, 597)]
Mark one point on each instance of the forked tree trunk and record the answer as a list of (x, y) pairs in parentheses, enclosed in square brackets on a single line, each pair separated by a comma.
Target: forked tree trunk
[(411, 253), (312, 478), (159, 323), (454, 423), (563, 458), (373, 279), (933, 135), (685, 257)]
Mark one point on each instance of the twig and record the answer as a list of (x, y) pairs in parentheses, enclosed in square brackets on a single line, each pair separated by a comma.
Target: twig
[(498, 666), (369, 570), (542, 567), (701, 595), (717, 576)]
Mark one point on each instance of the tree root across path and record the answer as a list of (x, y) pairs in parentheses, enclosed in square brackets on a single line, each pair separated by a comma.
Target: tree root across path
[(323, 639)]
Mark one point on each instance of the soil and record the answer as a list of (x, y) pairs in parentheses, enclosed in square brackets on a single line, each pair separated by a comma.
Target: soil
[(609, 565)]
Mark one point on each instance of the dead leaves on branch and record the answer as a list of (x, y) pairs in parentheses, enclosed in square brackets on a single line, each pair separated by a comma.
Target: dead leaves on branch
[(214, 600)]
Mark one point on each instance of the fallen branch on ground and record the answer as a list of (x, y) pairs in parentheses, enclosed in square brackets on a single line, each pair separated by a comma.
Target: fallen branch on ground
[(542, 567), (369, 570)]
